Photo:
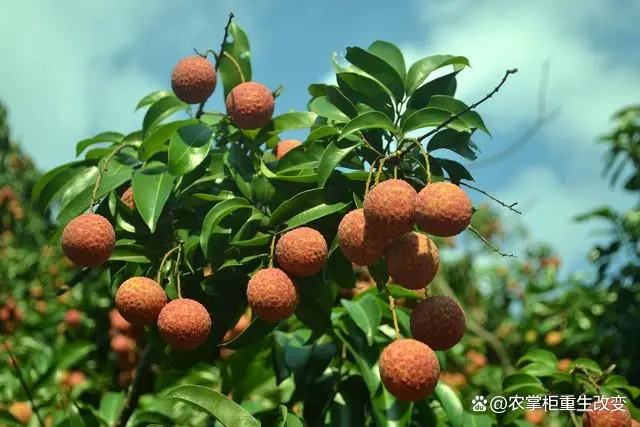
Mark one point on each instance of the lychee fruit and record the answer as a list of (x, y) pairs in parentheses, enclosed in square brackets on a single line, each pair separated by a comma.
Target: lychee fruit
[(76, 378), (438, 321), (140, 299), (443, 209), (193, 79), (413, 260), (553, 338), (535, 416), (88, 240), (272, 295), (250, 105), (607, 413), (127, 198), (184, 324), (242, 324), (118, 322), (301, 252), (358, 241), (453, 379), (285, 146), (390, 208), (122, 344), (409, 369), (563, 365), (41, 307), (73, 318), (21, 411)]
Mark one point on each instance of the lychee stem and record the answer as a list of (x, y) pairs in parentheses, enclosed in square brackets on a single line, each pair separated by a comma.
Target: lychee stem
[(380, 166), (177, 272), (488, 244), (371, 169), (574, 420), (392, 305), (163, 262), (272, 250), (500, 202), (103, 168), (22, 381), (425, 154)]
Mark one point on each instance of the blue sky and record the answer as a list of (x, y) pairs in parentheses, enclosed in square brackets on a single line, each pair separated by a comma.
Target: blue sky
[(75, 68)]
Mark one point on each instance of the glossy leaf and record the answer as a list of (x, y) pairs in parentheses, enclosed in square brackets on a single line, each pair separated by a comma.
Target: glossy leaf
[(451, 404), (255, 332), (420, 70), (188, 148), (378, 68), (445, 85), (216, 215), (152, 187), (239, 49), (52, 183), (309, 203), (362, 89), (365, 312), (458, 142), (160, 110), (369, 120), (323, 107), (455, 170), (152, 98), (110, 406), (331, 158), (157, 139), (471, 118), (99, 138), (391, 54), (427, 117)]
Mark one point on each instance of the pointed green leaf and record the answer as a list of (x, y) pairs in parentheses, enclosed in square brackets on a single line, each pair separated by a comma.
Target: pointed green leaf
[(455, 106), (52, 183), (366, 313), (160, 110), (73, 353), (455, 170), (156, 140), (151, 189), (322, 107), (445, 85), (239, 49), (458, 142), (427, 117), (420, 70), (110, 406), (152, 97), (391, 54), (379, 69), (114, 137), (369, 120), (306, 200), (216, 215), (331, 158), (451, 404), (188, 147)]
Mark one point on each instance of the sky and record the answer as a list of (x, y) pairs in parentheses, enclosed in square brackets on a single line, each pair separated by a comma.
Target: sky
[(73, 69)]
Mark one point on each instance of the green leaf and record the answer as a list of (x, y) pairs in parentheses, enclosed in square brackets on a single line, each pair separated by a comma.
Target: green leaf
[(369, 120), (223, 409), (448, 103), (445, 85), (54, 182), (430, 117), (314, 310), (587, 364), (539, 355), (331, 158), (377, 68), (321, 132), (285, 122), (309, 205), (152, 98), (216, 215), (255, 332), (539, 369), (518, 379), (391, 54), (188, 147), (73, 353), (455, 170), (132, 253), (293, 421), (451, 404), (238, 48), (114, 137), (362, 89), (110, 406), (159, 136), (420, 70), (152, 187), (366, 313), (322, 107), (160, 110), (458, 142)]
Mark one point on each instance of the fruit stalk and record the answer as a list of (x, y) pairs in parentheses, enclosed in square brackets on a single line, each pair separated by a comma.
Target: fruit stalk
[(107, 159)]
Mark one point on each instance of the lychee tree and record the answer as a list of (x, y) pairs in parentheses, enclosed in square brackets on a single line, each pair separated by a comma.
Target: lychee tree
[(230, 245)]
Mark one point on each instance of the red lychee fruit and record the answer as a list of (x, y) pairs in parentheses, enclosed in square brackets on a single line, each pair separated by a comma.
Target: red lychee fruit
[(140, 299), (443, 209), (285, 146), (413, 260), (127, 198), (118, 322), (88, 240), (535, 416), (250, 105), (563, 365), (358, 241), (21, 411), (76, 378), (390, 208), (409, 369), (301, 252), (122, 344), (242, 324), (73, 318), (184, 324), (193, 79), (438, 321), (272, 295), (607, 413)]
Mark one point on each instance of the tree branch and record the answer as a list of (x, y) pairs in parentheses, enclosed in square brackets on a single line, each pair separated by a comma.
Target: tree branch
[(135, 390)]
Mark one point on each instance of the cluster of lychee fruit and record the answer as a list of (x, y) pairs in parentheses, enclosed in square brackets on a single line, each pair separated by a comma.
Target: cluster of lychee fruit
[(13, 205), (126, 341), (11, 316), (384, 228)]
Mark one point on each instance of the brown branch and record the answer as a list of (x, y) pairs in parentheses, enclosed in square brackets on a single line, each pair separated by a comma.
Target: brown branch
[(135, 390), (488, 243), (511, 207), (102, 170), (200, 111)]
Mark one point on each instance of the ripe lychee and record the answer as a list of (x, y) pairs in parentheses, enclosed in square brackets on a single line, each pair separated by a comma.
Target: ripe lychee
[(122, 344), (140, 299), (535, 416), (72, 379), (285, 146), (453, 379), (409, 369), (193, 79), (443, 209), (41, 307), (127, 198), (21, 411), (250, 105), (118, 322), (553, 338), (413, 260), (563, 365), (88, 240), (390, 208), (272, 295), (301, 252), (184, 324), (607, 413), (73, 318), (438, 321), (358, 241)]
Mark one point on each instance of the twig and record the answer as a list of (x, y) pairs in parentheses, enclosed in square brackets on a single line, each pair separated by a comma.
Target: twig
[(272, 250), (511, 207), (176, 271), (489, 244), (574, 420), (392, 305), (164, 260), (107, 159), (133, 395), (23, 382), (200, 111)]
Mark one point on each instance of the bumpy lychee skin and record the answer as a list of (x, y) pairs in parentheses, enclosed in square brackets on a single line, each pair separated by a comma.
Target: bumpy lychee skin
[(409, 369), (88, 240), (413, 260), (358, 241), (184, 324), (21, 411), (607, 413), (139, 300), (127, 198), (443, 209), (272, 295), (193, 79), (285, 146), (301, 252), (390, 208), (439, 322), (250, 105)]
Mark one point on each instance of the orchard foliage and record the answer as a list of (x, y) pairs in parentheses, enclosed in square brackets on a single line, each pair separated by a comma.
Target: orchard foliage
[(211, 201)]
